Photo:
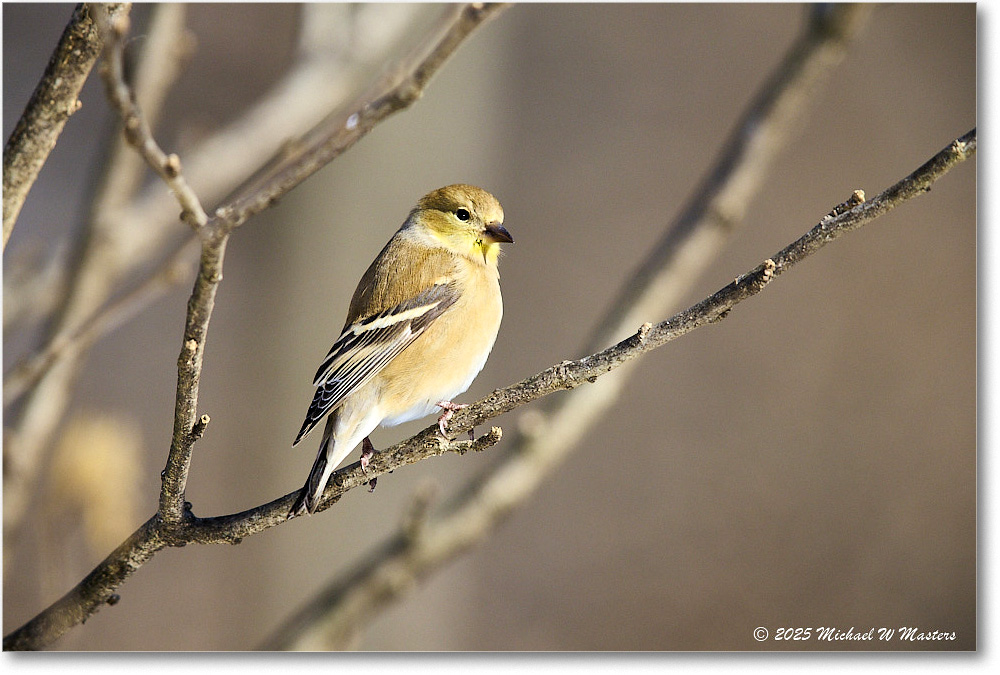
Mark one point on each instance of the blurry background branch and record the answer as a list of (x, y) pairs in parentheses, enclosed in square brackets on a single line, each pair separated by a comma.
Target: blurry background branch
[(177, 268), (717, 207), (167, 45)]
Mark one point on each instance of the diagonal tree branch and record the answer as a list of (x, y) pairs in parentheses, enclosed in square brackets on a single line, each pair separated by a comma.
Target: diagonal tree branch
[(50, 106), (331, 619), (341, 131), (717, 206), (423, 548), (137, 130)]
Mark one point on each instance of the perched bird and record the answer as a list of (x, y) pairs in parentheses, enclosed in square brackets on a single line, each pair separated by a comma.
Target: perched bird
[(420, 326)]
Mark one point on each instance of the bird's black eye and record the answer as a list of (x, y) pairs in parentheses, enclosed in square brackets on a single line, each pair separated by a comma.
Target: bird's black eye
[(462, 214)]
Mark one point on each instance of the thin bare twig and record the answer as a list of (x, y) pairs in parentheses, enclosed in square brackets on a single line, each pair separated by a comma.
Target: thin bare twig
[(50, 106), (136, 128), (166, 47), (100, 584), (189, 366), (339, 133)]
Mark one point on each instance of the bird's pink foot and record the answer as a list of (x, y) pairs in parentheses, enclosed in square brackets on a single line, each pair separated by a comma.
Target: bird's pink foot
[(367, 452), (449, 410)]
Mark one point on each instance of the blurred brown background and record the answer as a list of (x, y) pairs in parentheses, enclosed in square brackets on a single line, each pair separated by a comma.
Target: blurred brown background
[(810, 461)]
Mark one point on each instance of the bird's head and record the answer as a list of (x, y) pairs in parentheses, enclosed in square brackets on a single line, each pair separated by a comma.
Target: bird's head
[(466, 219)]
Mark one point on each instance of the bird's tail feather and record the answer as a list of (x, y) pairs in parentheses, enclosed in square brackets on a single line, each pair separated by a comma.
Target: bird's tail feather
[(312, 491), (332, 451)]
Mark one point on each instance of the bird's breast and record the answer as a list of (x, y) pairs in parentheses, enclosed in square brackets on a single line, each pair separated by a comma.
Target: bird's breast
[(445, 360)]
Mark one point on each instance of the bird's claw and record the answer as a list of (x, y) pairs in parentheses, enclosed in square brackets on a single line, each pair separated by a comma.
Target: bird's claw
[(367, 452), (449, 410)]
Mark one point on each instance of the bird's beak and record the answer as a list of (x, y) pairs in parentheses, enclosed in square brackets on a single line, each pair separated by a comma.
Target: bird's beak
[(496, 233)]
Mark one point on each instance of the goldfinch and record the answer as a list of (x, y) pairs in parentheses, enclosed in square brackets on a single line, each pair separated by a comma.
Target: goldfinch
[(419, 329)]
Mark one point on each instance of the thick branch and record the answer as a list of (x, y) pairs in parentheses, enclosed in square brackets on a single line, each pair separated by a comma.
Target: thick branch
[(50, 106)]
